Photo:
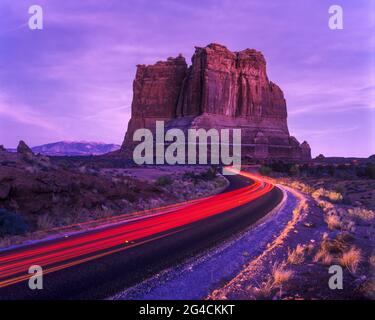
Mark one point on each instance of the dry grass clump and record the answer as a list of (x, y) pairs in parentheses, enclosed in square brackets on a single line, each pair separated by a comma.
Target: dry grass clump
[(264, 292), (325, 205), (329, 249), (348, 225), (351, 259), (333, 222), (280, 274), (296, 256), (361, 214), (302, 187), (309, 248), (334, 196), (368, 288), (272, 286), (323, 256), (301, 208), (318, 193), (337, 219), (337, 245)]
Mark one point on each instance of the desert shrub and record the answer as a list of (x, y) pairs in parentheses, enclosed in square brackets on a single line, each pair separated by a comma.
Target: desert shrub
[(163, 181), (324, 257), (351, 259), (333, 221), (280, 274), (330, 195), (264, 292), (302, 187), (329, 248), (11, 224), (318, 193), (368, 288), (334, 196), (296, 256), (278, 277), (265, 171), (361, 214)]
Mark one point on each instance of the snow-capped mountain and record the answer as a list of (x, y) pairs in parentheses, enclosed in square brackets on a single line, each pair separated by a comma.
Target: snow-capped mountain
[(75, 148)]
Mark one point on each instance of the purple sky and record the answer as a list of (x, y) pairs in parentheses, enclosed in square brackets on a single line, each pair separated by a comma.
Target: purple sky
[(73, 80)]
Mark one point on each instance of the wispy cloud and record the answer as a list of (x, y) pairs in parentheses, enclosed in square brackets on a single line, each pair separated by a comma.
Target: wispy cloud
[(25, 114), (326, 133)]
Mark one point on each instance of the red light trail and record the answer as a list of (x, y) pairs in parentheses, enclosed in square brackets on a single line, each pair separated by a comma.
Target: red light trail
[(87, 246)]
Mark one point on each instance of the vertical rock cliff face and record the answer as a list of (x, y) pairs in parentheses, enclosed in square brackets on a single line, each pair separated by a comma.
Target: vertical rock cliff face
[(233, 84), (156, 90), (221, 89)]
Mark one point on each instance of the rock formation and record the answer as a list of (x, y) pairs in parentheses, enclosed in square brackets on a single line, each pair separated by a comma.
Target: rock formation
[(221, 89), (23, 148)]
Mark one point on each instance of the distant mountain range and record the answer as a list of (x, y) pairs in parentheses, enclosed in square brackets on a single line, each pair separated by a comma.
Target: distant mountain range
[(74, 148)]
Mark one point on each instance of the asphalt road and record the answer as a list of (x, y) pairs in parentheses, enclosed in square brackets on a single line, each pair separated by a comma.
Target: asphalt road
[(156, 244)]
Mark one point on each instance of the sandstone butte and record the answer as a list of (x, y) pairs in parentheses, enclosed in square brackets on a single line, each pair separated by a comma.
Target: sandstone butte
[(221, 89)]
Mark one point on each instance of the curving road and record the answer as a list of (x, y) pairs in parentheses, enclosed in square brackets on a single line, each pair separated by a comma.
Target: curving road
[(103, 261)]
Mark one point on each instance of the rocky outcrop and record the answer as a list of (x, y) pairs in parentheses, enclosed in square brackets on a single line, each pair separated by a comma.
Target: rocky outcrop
[(305, 150), (23, 148), (221, 89)]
